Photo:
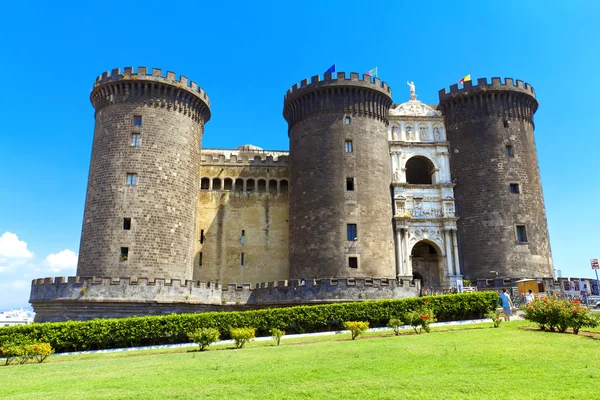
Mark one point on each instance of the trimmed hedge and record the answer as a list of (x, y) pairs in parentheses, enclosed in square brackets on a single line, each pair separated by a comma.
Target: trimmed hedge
[(174, 328)]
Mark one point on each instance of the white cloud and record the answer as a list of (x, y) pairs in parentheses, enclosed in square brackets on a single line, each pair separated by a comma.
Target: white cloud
[(65, 259), (12, 247), (20, 284)]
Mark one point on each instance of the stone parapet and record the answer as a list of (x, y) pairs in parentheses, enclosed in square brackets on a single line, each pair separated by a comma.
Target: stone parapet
[(83, 298)]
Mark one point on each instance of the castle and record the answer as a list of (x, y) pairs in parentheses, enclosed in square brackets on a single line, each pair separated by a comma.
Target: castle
[(373, 200)]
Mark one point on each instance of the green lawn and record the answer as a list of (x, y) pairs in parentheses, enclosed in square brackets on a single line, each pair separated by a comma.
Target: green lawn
[(472, 361)]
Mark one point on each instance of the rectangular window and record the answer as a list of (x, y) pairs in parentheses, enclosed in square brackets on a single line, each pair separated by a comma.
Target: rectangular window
[(136, 140), (350, 184), (131, 179), (202, 236), (242, 259), (243, 238), (200, 259), (124, 254), (348, 120), (126, 224), (137, 120), (521, 234), (353, 262), (514, 188), (351, 232), (348, 146), (509, 151)]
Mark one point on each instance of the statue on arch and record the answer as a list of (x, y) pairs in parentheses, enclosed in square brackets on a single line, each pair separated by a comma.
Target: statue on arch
[(411, 85)]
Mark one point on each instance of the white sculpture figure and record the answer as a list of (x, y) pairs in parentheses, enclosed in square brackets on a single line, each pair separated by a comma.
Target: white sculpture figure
[(409, 133), (413, 95), (397, 175), (436, 133)]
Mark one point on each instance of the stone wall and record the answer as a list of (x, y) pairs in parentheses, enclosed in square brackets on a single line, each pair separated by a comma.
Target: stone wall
[(322, 115), (161, 204), (481, 121), (258, 209), (78, 298)]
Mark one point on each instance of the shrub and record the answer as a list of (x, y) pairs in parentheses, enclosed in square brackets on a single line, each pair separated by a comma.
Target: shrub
[(356, 327), (10, 352), (174, 328), (204, 337), (395, 324), (553, 314), (277, 335), (241, 336), (38, 351), (420, 319), (496, 318)]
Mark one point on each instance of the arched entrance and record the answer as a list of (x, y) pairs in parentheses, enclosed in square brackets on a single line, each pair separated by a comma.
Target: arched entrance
[(427, 264)]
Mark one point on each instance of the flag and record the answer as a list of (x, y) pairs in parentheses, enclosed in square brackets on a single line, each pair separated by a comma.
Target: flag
[(330, 69), (465, 79), (372, 72)]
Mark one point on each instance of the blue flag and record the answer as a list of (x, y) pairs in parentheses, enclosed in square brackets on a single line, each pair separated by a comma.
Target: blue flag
[(330, 69)]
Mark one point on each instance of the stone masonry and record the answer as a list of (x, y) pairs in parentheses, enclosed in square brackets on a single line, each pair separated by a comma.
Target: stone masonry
[(492, 145), (170, 227)]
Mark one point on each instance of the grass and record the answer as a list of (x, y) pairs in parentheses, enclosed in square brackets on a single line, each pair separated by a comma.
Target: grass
[(472, 361)]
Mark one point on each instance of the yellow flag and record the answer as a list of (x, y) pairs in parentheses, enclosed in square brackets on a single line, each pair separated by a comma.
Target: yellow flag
[(465, 79)]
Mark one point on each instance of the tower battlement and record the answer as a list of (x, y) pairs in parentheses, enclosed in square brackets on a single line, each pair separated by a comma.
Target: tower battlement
[(340, 80), (242, 160), (164, 90), (483, 85), (344, 95), (508, 100)]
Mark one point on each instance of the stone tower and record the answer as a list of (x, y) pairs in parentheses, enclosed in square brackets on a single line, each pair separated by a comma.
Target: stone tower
[(340, 199), (493, 160), (140, 208)]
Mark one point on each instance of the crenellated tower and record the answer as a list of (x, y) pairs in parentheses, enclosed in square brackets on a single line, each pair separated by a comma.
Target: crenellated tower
[(493, 160), (140, 208), (340, 200)]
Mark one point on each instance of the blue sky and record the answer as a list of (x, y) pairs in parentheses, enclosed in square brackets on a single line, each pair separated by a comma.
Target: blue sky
[(246, 57)]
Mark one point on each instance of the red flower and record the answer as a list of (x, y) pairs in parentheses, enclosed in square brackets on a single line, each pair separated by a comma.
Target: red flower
[(422, 317)]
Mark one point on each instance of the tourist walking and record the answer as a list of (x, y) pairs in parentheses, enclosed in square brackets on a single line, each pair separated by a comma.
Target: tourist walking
[(529, 297), (507, 304), (585, 294)]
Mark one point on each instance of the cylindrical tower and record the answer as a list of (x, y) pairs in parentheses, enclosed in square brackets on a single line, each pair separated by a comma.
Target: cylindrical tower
[(493, 160), (340, 201), (142, 190)]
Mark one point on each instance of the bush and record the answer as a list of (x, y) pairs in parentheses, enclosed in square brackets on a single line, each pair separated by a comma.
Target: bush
[(174, 328), (553, 314), (420, 319), (395, 324), (277, 334), (10, 352), (356, 327), (241, 336), (204, 337), (22, 353), (496, 318)]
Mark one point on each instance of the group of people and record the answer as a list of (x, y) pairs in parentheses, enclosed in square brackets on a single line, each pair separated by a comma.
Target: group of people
[(508, 306)]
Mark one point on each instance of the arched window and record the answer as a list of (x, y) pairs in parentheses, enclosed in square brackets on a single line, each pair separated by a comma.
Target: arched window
[(216, 184), (283, 186), (239, 185), (419, 171), (227, 184), (205, 184), (262, 185), (250, 185), (272, 186)]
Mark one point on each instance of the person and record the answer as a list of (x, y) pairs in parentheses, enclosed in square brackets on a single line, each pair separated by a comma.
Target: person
[(585, 294), (507, 304), (529, 297)]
